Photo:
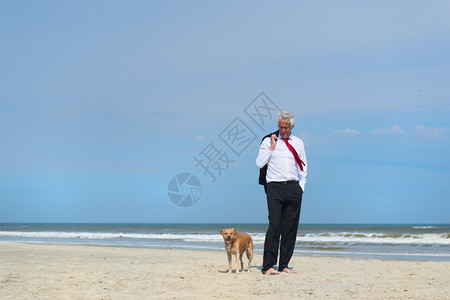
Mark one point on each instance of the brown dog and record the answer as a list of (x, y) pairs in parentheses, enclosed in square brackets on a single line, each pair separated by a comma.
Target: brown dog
[(237, 244)]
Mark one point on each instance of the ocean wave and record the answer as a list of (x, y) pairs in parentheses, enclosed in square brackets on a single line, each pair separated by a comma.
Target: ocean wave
[(424, 227), (258, 238), (377, 238), (110, 235)]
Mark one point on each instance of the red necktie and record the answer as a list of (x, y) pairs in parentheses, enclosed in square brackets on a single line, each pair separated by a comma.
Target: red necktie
[(297, 159)]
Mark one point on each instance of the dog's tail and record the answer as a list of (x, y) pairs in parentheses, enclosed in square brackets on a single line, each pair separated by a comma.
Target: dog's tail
[(249, 252), (250, 248)]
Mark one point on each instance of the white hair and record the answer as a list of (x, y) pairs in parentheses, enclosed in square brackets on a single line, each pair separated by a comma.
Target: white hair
[(287, 116)]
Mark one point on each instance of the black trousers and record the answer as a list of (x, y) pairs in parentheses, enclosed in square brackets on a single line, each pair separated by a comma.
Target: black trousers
[(284, 201)]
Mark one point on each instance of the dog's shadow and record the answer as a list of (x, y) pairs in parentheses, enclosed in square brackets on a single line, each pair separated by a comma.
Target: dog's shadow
[(233, 271)]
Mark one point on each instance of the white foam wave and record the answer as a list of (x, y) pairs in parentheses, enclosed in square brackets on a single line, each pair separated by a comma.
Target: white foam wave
[(258, 238), (376, 238), (110, 235)]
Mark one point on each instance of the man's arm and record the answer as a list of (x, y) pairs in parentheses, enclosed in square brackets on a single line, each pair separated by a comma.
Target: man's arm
[(302, 174), (265, 151)]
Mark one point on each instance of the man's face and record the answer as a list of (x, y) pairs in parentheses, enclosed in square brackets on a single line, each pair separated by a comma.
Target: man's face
[(285, 129)]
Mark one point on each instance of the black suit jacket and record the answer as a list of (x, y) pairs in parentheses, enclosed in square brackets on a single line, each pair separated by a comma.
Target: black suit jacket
[(263, 170)]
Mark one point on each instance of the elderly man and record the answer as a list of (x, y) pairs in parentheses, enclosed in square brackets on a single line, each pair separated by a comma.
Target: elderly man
[(285, 158)]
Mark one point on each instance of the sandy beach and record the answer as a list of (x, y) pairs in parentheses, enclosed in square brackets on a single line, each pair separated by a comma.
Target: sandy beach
[(48, 271)]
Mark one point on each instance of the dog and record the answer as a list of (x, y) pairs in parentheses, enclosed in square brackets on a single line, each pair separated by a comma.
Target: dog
[(237, 244)]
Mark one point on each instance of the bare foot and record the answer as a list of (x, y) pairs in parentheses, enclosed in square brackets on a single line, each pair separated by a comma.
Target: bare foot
[(287, 270), (271, 271)]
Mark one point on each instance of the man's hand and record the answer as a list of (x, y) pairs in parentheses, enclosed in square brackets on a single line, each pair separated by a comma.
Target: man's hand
[(273, 139)]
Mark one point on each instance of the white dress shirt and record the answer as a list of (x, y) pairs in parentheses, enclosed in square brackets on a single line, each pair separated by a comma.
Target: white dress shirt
[(281, 164)]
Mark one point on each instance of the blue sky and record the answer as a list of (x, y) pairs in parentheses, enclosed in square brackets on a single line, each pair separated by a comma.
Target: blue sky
[(102, 103)]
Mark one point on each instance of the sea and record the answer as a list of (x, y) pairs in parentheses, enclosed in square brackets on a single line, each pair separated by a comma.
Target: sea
[(408, 241)]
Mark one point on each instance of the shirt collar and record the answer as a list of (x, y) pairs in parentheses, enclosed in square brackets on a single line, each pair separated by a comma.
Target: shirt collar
[(289, 138)]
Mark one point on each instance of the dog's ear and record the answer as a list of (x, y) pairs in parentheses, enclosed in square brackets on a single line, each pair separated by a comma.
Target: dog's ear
[(234, 229), (221, 232)]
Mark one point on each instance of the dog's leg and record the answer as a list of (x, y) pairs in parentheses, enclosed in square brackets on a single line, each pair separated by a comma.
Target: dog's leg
[(237, 260), (229, 262), (250, 255), (242, 262)]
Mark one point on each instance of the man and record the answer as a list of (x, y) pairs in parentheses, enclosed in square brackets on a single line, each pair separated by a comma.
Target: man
[(286, 178)]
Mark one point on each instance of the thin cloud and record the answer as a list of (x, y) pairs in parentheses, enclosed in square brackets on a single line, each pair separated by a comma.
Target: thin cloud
[(304, 135), (430, 132), (392, 130), (200, 138), (347, 131)]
